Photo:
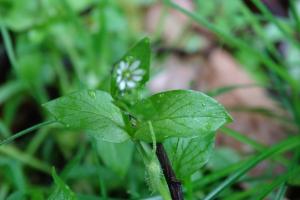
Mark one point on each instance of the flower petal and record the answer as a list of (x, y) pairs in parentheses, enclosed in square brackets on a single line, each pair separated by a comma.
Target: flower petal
[(131, 84), (134, 65), (138, 72), (119, 78), (123, 65), (122, 85), (137, 78), (126, 66), (119, 71)]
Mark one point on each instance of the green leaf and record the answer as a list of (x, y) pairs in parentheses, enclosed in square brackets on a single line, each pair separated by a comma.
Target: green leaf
[(116, 156), (62, 191), (91, 111), (141, 53), (17, 196), (188, 155), (294, 180), (178, 113), (19, 15)]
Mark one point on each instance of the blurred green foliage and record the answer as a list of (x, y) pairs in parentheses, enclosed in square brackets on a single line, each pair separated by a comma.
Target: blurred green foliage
[(59, 46)]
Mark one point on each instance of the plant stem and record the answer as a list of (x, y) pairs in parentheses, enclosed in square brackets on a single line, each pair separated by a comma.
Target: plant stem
[(23, 132), (162, 187), (173, 184)]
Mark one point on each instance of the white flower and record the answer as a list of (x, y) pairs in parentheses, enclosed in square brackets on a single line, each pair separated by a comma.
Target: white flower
[(128, 75)]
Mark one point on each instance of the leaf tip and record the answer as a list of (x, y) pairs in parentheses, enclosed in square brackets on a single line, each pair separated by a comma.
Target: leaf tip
[(146, 40), (229, 118)]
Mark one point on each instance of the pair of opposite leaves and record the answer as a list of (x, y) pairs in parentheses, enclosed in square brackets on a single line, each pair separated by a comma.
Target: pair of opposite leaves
[(177, 113)]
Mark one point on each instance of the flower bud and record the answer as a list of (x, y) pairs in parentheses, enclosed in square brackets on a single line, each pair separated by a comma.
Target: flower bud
[(153, 175)]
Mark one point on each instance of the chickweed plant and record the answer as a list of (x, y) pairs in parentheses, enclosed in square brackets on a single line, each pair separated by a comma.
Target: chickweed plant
[(133, 144), (183, 119)]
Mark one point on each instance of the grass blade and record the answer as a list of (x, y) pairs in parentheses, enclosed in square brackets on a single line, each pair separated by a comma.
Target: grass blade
[(216, 175), (24, 158), (244, 139), (295, 14), (287, 144), (9, 47), (233, 41), (281, 192), (267, 13), (229, 88), (266, 191)]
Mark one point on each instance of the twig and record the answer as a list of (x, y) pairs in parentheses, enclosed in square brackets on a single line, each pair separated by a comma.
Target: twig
[(173, 184)]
